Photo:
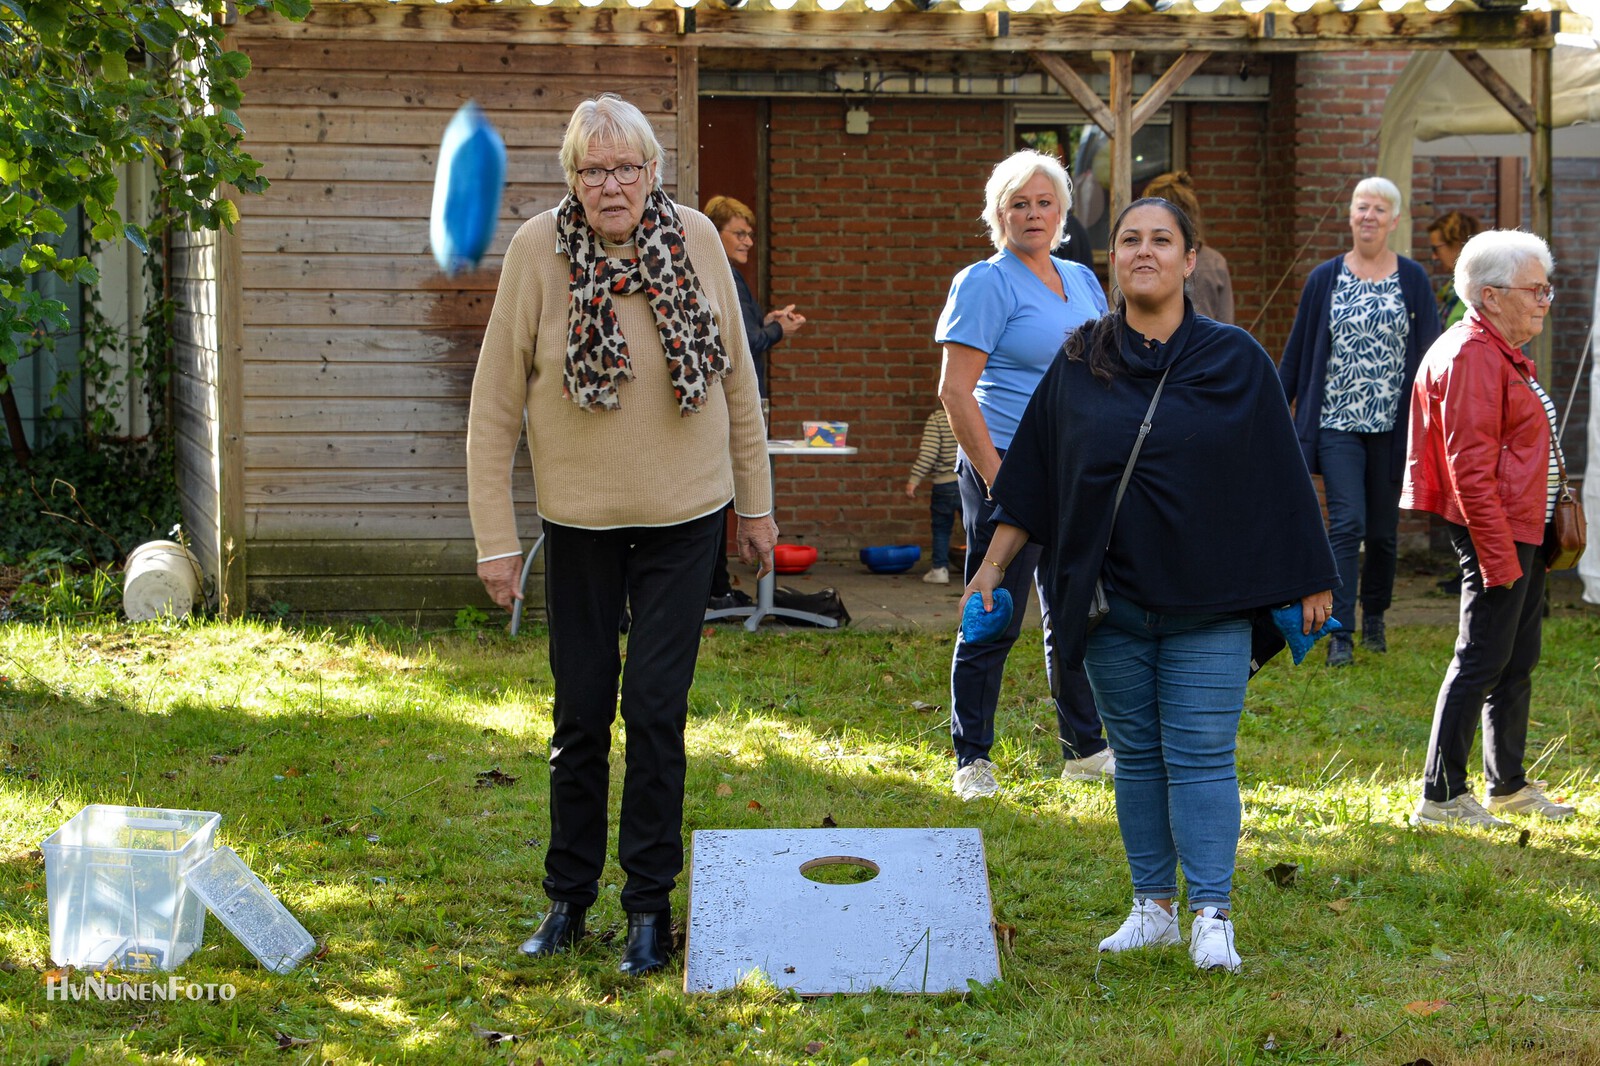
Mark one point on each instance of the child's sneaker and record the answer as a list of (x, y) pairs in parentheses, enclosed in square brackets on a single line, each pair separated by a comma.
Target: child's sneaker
[(1211, 942), (1148, 925)]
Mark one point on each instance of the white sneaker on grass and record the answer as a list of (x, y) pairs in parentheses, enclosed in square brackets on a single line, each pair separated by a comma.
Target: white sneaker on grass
[(1211, 942), (1530, 799), (1101, 766), (975, 780), (1463, 810), (1148, 925)]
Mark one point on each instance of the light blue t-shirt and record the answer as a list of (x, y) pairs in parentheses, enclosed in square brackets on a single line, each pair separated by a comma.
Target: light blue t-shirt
[(999, 306)]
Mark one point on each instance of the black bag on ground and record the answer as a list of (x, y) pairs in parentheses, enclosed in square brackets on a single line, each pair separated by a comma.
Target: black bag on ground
[(826, 603)]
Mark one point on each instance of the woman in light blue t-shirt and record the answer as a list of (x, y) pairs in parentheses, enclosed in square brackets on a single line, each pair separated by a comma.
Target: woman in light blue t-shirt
[(1002, 325)]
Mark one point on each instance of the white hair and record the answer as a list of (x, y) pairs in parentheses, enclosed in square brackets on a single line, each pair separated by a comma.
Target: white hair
[(1011, 174), (1378, 187), (611, 119), (1494, 258)]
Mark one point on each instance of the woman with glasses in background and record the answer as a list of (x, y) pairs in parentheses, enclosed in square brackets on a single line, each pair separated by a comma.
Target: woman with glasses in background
[(635, 455), (1364, 320), (1484, 456)]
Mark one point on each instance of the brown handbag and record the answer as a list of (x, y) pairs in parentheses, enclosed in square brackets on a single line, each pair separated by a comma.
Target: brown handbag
[(1569, 530)]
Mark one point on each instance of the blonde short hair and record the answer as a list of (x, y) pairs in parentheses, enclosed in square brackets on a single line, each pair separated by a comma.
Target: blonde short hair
[(1011, 174), (608, 118), (722, 210)]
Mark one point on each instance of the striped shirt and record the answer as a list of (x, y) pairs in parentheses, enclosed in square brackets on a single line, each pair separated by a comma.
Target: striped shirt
[(1556, 456), (936, 459)]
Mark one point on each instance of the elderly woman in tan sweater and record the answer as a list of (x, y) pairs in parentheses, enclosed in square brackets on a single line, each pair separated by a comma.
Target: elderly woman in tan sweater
[(616, 330)]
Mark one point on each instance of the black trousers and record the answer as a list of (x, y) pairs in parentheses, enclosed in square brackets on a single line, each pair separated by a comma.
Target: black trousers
[(665, 574), (1490, 676)]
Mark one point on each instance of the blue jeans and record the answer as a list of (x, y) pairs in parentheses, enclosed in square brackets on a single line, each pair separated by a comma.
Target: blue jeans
[(1363, 506), (941, 513), (976, 670), (1170, 688)]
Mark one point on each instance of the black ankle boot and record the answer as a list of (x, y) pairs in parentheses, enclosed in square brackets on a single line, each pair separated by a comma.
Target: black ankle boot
[(561, 928), (649, 943), (1374, 636)]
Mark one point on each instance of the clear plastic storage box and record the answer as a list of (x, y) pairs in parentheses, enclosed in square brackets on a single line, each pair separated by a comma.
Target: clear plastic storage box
[(115, 879)]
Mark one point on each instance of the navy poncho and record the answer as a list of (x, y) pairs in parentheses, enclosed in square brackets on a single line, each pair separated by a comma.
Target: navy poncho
[(1220, 514)]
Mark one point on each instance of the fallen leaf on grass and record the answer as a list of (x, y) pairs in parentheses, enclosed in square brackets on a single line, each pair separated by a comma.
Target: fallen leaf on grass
[(63, 973), (491, 778), (170, 775), (321, 952), (493, 1036), (1006, 935), (285, 1041), (918, 705), (1339, 906), (1271, 1043), (724, 790), (1523, 838), (913, 1033), (293, 771), (754, 806), (815, 1047), (1282, 874), (219, 760), (828, 822), (1424, 1007)]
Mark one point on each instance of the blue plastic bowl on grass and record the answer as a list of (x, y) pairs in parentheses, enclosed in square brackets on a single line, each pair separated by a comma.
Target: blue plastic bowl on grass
[(891, 558)]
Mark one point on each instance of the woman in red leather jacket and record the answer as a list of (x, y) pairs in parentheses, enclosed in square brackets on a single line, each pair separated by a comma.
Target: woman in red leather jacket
[(1482, 455)]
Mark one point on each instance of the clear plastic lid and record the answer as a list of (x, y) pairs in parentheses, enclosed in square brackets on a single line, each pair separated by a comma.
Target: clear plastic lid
[(249, 910)]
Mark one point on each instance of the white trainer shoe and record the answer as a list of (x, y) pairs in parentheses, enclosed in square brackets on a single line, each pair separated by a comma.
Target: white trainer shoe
[(1463, 810), (1147, 925), (1101, 766), (1211, 942), (1530, 799), (975, 780), (938, 575)]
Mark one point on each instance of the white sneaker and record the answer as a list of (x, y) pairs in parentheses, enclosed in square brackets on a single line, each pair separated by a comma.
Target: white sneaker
[(1211, 942), (1530, 800), (939, 575), (975, 780), (1101, 766), (1148, 925), (1463, 810)]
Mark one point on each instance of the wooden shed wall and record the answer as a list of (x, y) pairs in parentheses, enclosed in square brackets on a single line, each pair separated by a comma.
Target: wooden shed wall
[(357, 353), (192, 264)]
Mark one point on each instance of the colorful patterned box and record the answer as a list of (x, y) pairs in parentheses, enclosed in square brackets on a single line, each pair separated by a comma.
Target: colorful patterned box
[(826, 434)]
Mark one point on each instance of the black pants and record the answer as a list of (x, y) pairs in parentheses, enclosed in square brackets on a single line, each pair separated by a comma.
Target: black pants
[(1490, 676), (665, 573), (976, 670)]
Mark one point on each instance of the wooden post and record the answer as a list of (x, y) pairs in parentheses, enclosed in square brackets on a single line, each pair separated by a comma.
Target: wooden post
[(688, 108), (232, 575), (1121, 137), (1539, 158)]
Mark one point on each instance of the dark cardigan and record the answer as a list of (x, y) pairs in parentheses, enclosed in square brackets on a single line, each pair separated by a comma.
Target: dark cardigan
[(1304, 368), (1219, 516)]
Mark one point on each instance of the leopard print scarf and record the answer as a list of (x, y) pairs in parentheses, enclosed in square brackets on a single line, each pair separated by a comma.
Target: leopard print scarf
[(597, 353)]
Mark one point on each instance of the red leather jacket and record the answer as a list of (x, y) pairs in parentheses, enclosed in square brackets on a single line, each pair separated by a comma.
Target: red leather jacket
[(1479, 447)]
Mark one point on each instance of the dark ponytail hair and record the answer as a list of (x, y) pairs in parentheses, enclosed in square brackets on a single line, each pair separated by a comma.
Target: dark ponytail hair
[(1099, 343)]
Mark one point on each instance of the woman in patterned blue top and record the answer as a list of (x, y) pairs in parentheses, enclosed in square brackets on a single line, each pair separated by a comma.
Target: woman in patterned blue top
[(1364, 321), (1001, 327)]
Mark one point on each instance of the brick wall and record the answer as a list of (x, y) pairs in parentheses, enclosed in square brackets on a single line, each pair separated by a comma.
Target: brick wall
[(1227, 143), (866, 233)]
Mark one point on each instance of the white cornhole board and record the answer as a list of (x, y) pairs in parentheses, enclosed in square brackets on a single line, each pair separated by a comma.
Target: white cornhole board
[(923, 924)]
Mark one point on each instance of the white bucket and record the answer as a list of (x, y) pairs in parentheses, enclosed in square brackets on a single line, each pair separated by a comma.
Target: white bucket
[(160, 577)]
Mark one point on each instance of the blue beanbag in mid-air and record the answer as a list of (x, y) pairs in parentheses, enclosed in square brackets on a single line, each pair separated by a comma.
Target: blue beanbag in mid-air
[(466, 190), (979, 626), (1289, 618)]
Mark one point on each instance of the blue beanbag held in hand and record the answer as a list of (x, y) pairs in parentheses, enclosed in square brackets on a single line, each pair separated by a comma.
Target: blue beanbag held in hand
[(1289, 618), (466, 190), (979, 626)]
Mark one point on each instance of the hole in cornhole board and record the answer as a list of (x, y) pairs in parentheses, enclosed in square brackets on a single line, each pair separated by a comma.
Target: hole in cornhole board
[(839, 870)]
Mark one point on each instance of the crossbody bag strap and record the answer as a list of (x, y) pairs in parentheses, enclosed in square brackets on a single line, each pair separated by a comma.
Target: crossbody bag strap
[(1144, 431), (1555, 440)]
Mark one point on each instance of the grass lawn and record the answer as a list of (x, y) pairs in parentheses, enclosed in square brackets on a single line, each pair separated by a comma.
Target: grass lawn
[(352, 768)]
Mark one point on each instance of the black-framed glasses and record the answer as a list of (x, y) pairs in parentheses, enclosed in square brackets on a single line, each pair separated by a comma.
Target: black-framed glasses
[(626, 174), (1542, 293)]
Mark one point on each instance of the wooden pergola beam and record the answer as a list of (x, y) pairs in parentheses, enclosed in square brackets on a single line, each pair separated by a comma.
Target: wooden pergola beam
[(921, 31), (1496, 85), (1171, 81), (1075, 87)]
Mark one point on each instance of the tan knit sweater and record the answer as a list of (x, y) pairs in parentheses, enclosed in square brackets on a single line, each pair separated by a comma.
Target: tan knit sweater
[(643, 465)]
